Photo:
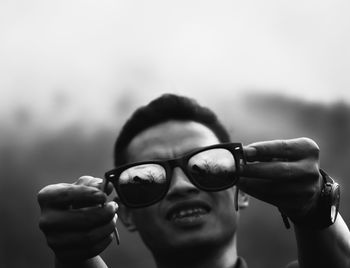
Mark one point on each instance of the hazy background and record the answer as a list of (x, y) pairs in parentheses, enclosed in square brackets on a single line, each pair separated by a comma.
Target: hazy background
[(71, 72)]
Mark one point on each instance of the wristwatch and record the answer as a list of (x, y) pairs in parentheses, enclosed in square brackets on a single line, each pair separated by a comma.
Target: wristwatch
[(326, 211)]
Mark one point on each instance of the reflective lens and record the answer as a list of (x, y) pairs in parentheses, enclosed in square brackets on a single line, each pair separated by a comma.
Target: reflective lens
[(212, 169), (143, 184)]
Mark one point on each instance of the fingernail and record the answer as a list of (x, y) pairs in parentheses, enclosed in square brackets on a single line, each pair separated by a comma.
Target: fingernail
[(115, 205), (98, 180), (115, 218)]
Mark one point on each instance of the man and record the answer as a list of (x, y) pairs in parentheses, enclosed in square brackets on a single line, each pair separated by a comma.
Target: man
[(185, 216)]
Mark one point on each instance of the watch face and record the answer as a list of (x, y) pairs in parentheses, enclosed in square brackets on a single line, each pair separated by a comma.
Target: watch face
[(335, 194), (333, 213)]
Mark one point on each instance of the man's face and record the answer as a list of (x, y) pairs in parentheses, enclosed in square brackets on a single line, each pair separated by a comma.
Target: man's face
[(187, 216)]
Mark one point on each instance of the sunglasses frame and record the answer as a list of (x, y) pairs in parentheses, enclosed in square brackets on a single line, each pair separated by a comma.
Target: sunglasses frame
[(236, 150)]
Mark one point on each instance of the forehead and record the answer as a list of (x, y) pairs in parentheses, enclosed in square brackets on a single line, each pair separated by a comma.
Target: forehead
[(169, 139)]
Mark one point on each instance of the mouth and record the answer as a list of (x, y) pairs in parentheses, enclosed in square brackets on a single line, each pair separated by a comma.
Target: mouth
[(188, 212)]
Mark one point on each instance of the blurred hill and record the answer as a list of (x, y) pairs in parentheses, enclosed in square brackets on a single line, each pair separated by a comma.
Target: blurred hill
[(34, 154)]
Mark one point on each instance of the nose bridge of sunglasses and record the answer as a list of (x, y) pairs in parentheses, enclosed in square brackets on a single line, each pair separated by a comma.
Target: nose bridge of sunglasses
[(179, 178)]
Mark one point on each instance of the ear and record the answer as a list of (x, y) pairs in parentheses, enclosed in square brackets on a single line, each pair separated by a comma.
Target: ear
[(243, 200), (125, 216)]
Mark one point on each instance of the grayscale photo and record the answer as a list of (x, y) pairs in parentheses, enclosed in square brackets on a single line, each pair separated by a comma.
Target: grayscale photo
[(175, 134)]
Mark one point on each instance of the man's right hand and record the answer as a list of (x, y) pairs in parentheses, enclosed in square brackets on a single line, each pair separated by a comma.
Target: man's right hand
[(77, 223)]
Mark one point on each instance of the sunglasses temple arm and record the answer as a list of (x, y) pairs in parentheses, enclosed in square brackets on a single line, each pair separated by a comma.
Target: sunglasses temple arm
[(236, 198), (116, 234), (242, 159), (115, 231)]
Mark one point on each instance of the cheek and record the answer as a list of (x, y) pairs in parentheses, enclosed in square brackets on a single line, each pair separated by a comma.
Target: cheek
[(225, 206), (226, 198)]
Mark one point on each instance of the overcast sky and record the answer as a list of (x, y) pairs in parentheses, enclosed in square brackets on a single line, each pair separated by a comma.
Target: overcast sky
[(89, 52)]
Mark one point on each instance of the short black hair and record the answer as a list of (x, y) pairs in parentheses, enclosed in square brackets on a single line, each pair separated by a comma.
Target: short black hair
[(164, 108)]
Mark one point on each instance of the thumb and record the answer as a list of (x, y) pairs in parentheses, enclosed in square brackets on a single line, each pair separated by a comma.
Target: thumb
[(95, 182)]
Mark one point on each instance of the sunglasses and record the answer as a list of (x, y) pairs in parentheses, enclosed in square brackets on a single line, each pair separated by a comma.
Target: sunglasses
[(211, 168)]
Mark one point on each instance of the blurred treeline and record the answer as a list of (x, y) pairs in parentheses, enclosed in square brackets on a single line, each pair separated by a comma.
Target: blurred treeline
[(33, 156)]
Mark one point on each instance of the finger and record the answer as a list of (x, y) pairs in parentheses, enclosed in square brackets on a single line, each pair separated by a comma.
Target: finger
[(292, 149), (83, 253), (63, 195), (66, 240), (89, 181), (281, 170), (292, 196), (107, 187), (77, 219), (263, 189), (98, 183)]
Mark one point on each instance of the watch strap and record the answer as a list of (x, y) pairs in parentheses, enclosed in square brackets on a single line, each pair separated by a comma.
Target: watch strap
[(326, 210)]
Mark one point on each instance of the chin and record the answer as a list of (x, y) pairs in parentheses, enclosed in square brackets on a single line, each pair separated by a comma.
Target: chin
[(191, 241), (185, 248)]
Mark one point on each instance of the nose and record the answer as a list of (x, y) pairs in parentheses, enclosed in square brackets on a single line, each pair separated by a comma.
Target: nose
[(180, 185)]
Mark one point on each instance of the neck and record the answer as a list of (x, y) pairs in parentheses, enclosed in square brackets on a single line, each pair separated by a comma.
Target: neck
[(224, 256)]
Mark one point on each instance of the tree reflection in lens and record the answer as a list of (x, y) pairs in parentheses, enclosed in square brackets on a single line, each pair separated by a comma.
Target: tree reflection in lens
[(146, 173), (213, 169), (142, 184)]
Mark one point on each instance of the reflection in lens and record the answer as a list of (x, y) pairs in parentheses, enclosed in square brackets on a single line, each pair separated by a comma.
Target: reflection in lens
[(213, 169), (141, 174), (142, 184)]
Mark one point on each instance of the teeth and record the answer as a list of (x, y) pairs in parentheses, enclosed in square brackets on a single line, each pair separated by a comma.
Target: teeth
[(194, 212)]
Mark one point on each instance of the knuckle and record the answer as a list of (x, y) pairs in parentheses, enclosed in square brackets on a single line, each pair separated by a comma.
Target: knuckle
[(51, 242), (48, 222), (44, 193), (312, 170), (43, 224)]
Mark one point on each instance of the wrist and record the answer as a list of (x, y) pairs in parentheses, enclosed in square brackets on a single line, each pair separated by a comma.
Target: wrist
[(325, 211)]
